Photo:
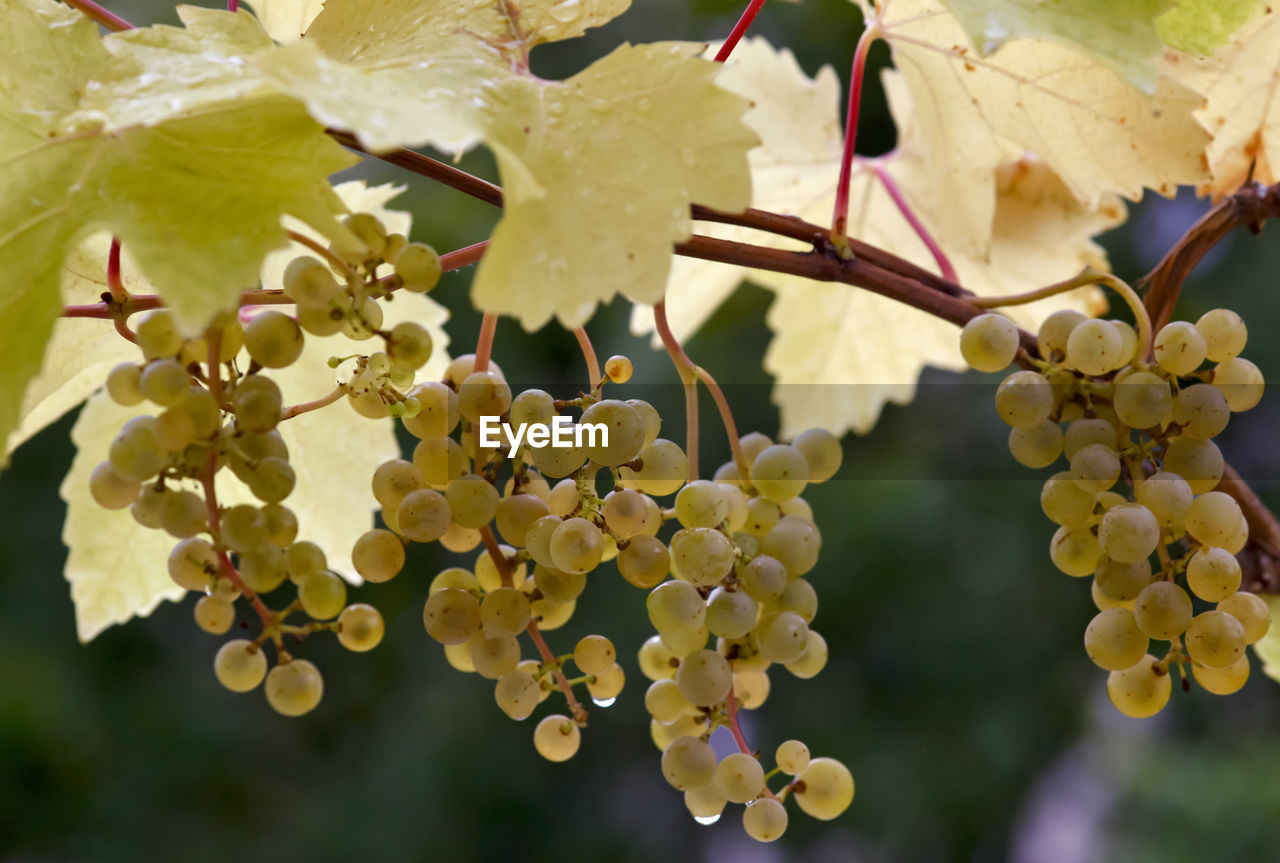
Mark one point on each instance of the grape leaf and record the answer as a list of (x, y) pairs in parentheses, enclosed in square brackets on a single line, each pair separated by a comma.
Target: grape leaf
[(196, 198), (81, 350), (1204, 26), (638, 135), (1242, 105), (1090, 125), (1268, 647), (116, 567), (286, 20), (840, 352)]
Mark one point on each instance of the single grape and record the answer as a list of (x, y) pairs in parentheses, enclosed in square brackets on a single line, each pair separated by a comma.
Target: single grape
[(705, 804), (493, 657), (1168, 497), (824, 788), (989, 342), (214, 614), (622, 430), (782, 637), (1201, 410), (517, 694), (618, 369), (1224, 332), (704, 678), (557, 738), (378, 555), (309, 283), (1036, 446), (1075, 551), (1082, 432), (1215, 639), (274, 340), (157, 334), (739, 777), (394, 479), (1162, 610), (1113, 640), (323, 595), (1122, 581), (663, 469), (822, 451), (1222, 681), (1180, 348), (1213, 518), (594, 654), (1055, 332), (240, 665), (605, 686), (1095, 347), (1143, 400), (1095, 467), (504, 611), (1251, 611), (813, 660), (360, 627), (795, 543), (418, 267), (1140, 691), (451, 616), (1129, 533), (1240, 381), (1065, 502), (792, 757), (688, 762), (764, 820), (1199, 462), (1213, 574), (294, 688), (123, 384), (576, 546)]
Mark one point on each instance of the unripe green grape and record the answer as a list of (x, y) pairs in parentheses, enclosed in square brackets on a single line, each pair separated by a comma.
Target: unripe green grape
[(822, 451), (1122, 582), (240, 665), (271, 480), (594, 654), (371, 234), (164, 382), (214, 614), (1128, 533), (1240, 381), (795, 543), (1213, 518), (1222, 681), (451, 616), (1036, 446), (702, 555), (1162, 610), (303, 559), (557, 738), (664, 700), (1199, 462), (1024, 399), (989, 342), (705, 804), (1055, 331), (764, 820), (184, 514), (1064, 502), (1082, 432), (135, 454), (604, 686), (827, 789), (704, 678), (730, 614), (360, 627), (576, 545), (294, 688), (517, 693), (813, 660), (148, 509), (701, 503), (123, 384), (644, 562), (1169, 498), (1113, 640), (504, 612), (1201, 410), (157, 334), (751, 688), (394, 479), (309, 283), (323, 595), (263, 568), (418, 267), (1251, 611), (473, 501), (274, 340), (1075, 551), (1095, 347), (1095, 467), (664, 469), (792, 757), (657, 662), (739, 777), (1179, 348), (1224, 332), (378, 555), (409, 344), (689, 762), (1143, 400), (110, 490), (779, 472), (782, 637), (362, 320), (243, 527), (1215, 639), (493, 657), (1140, 691), (175, 430), (625, 432)]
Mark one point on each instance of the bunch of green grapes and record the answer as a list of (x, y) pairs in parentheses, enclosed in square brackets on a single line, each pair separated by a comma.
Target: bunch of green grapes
[(723, 558), (1138, 507), (217, 407)]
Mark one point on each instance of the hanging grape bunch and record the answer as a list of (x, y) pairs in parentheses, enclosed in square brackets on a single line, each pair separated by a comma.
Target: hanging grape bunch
[(1135, 419)]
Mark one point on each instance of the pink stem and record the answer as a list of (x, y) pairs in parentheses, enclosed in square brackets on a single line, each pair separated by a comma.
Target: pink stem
[(840, 215), (739, 30), (685, 368), (233, 5), (588, 354), (114, 282), (105, 17), (484, 342), (939, 256)]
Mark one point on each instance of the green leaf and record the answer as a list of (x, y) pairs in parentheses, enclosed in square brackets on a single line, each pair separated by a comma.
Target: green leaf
[(1204, 26), (637, 136)]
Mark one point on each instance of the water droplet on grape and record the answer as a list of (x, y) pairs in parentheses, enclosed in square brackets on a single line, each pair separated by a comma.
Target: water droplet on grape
[(605, 702), (707, 820)]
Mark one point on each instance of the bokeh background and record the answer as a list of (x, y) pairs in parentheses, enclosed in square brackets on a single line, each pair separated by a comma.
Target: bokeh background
[(957, 690)]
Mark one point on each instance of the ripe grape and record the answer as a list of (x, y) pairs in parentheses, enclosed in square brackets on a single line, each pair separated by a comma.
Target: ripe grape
[(989, 342), (813, 660), (409, 345), (1075, 551), (193, 563), (1215, 639), (517, 694), (1213, 574), (451, 616), (1128, 533), (782, 637), (1251, 611), (274, 340), (688, 762), (1095, 467), (1169, 498), (792, 757), (624, 432), (309, 283), (1201, 410), (240, 665), (323, 595), (378, 555), (556, 738), (664, 700), (493, 657), (1140, 691), (214, 614), (594, 654), (1162, 610), (423, 516), (663, 469), (1064, 501), (606, 685), (704, 678), (1094, 347), (516, 514), (705, 804), (576, 545), (618, 369), (294, 688), (418, 267), (122, 384), (483, 394), (1240, 381), (157, 334), (1213, 518), (1224, 334), (739, 777), (1180, 348), (1143, 400), (644, 561), (1113, 640), (1122, 581), (795, 543), (1222, 681), (1055, 331), (360, 627), (1199, 462), (764, 820), (827, 788), (504, 611), (1036, 446), (1024, 399)]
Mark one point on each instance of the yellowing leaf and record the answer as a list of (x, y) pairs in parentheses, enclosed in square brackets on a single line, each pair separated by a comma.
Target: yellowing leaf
[(638, 135), (81, 350), (1241, 88), (286, 20), (841, 352), (1082, 118), (334, 450), (1120, 32), (197, 198), (117, 568)]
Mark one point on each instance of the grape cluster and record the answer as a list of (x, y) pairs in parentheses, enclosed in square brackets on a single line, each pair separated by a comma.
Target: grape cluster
[(1152, 423), (218, 407), (725, 558)]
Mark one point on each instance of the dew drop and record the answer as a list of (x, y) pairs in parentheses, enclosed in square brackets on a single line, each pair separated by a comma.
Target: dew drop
[(605, 702), (706, 820)]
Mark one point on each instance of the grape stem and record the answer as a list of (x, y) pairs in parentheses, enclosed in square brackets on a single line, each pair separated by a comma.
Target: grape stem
[(495, 554), (739, 30), (228, 569), (549, 659), (323, 251), (484, 341), (305, 407), (102, 16), (840, 212), (735, 727), (940, 258), (588, 354)]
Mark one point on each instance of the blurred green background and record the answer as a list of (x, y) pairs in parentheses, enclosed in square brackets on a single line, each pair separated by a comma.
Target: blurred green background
[(957, 690)]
